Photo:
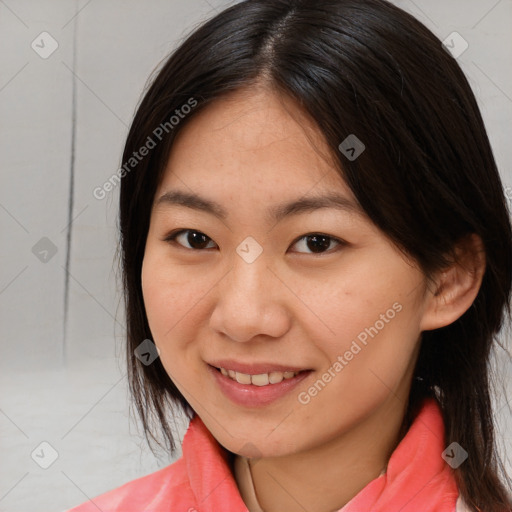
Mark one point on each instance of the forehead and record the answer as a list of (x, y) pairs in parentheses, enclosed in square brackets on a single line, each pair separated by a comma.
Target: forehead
[(253, 137)]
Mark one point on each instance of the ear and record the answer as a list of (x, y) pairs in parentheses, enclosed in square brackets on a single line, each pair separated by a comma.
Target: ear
[(457, 286)]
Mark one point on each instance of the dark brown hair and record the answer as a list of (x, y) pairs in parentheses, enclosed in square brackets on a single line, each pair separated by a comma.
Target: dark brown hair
[(427, 178)]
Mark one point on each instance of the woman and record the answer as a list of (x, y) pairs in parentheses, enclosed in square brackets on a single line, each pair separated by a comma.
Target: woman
[(314, 236)]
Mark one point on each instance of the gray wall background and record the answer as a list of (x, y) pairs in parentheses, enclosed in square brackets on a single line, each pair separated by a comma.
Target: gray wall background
[(63, 120)]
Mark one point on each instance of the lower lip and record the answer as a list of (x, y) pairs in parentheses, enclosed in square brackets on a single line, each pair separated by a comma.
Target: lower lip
[(249, 395)]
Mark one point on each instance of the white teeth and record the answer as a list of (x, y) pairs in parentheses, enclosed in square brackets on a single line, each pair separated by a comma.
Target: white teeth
[(260, 380), (243, 378), (275, 377), (263, 379)]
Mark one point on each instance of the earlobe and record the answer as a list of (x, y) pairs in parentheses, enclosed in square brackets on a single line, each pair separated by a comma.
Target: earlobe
[(456, 287)]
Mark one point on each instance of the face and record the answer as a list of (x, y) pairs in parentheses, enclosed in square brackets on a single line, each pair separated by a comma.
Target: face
[(257, 288)]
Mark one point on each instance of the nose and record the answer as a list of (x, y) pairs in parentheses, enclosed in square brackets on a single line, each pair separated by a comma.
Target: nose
[(251, 302)]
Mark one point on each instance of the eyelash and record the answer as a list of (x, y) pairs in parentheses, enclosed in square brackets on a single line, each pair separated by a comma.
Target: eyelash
[(171, 238)]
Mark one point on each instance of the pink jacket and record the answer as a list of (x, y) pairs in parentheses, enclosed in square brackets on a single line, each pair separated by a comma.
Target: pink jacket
[(417, 478)]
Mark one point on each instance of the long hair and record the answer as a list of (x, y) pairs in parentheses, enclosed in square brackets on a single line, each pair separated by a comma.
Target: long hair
[(427, 179)]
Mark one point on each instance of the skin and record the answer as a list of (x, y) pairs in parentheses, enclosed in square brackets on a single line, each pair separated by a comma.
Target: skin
[(248, 151)]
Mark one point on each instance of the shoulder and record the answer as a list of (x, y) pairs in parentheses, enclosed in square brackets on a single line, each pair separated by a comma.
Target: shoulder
[(169, 485)]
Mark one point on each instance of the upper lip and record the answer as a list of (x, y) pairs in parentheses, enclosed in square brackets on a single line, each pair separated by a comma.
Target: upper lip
[(254, 368)]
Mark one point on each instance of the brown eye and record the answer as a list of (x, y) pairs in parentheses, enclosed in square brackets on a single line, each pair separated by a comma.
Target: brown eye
[(318, 243), (195, 239), (315, 243)]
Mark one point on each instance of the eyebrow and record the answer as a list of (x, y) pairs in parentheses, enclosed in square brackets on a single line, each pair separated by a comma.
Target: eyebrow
[(274, 213)]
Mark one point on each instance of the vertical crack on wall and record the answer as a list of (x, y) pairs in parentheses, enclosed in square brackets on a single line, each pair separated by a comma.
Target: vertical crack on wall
[(71, 190)]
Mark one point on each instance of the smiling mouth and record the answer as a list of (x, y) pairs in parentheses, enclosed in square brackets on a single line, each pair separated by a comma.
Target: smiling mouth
[(261, 379)]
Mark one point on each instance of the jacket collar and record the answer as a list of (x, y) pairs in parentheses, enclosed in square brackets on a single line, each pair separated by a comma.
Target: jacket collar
[(209, 469), (417, 476)]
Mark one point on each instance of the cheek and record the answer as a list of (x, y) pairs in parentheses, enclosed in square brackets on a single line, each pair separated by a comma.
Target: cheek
[(177, 300), (349, 300), (170, 300), (167, 288), (370, 315)]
